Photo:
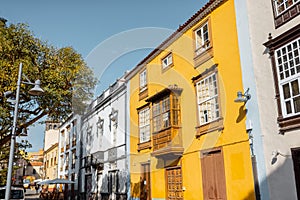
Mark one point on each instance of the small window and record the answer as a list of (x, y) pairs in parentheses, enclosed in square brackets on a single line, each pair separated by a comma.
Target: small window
[(143, 80), (202, 39), (167, 61)]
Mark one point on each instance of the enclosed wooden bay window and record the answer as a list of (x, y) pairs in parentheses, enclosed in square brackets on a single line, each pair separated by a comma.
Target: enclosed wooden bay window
[(166, 127)]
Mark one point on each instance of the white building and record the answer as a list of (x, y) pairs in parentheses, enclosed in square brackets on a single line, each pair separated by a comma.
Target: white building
[(69, 152), (269, 41), (105, 143)]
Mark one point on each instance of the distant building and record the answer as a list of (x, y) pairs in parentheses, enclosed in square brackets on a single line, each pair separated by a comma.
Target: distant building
[(50, 162), (68, 162), (35, 156), (50, 149)]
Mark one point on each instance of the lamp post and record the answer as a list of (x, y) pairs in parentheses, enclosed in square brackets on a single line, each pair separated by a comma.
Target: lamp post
[(34, 91)]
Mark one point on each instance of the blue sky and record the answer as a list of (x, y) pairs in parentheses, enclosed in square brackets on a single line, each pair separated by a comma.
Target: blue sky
[(112, 36)]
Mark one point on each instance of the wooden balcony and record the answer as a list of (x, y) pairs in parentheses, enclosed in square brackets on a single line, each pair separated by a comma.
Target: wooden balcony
[(167, 143), (62, 150)]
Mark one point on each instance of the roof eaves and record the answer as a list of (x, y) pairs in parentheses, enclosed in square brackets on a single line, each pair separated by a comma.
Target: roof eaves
[(200, 14)]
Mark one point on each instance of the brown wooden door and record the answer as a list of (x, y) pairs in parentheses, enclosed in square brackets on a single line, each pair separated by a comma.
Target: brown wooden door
[(296, 162), (174, 183), (145, 189), (213, 175)]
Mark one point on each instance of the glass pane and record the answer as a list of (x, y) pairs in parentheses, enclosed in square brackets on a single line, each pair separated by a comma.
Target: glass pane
[(286, 91), (166, 119), (297, 104), (288, 107), (295, 87), (287, 74)]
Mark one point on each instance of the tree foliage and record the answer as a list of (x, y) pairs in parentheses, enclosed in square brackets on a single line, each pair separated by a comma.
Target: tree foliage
[(66, 79)]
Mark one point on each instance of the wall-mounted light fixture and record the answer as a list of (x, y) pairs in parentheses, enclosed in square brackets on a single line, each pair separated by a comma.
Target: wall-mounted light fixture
[(242, 98), (275, 154)]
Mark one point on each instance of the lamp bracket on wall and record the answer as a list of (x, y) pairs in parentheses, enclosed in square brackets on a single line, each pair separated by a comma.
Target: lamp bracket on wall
[(242, 98)]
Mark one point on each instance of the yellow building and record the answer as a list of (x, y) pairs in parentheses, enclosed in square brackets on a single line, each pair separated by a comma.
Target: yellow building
[(50, 162), (188, 138)]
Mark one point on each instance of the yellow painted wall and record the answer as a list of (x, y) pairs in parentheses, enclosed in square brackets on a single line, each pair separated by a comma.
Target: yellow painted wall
[(233, 139)]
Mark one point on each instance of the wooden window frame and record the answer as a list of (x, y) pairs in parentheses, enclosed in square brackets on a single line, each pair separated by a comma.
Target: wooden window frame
[(217, 123), (170, 109), (205, 55), (291, 122), (169, 65), (287, 14)]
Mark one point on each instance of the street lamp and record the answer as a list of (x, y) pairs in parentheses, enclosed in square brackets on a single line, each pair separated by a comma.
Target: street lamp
[(34, 91)]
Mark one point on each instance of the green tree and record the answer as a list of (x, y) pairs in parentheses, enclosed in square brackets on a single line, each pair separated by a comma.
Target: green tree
[(66, 79)]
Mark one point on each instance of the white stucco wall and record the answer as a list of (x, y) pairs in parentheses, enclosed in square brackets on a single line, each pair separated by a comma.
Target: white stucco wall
[(279, 175), (111, 102)]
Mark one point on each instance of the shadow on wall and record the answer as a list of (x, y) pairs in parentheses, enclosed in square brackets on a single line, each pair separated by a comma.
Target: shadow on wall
[(135, 190), (279, 181)]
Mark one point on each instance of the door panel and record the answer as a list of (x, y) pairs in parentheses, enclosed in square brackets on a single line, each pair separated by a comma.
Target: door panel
[(213, 175), (174, 183)]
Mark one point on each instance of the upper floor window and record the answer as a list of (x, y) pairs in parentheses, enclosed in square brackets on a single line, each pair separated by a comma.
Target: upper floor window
[(284, 53), (144, 125), (207, 98), (208, 102), (283, 5), (285, 10), (202, 38), (143, 80), (167, 61), (288, 69), (165, 113)]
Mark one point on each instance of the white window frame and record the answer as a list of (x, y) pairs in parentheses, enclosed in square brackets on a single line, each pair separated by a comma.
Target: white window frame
[(144, 125), (284, 4), (208, 100), (167, 61), (143, 80), (201, 43), (287, 62)]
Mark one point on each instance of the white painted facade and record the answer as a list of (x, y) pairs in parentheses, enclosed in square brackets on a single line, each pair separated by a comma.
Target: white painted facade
[(69, 152), (275, 173), (104, 158)]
